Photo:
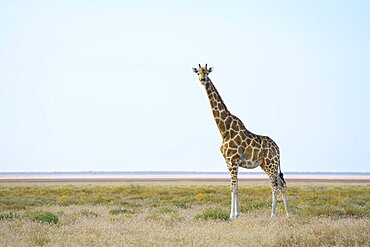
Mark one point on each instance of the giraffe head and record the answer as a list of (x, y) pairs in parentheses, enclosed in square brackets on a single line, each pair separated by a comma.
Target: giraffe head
[(203, 73)]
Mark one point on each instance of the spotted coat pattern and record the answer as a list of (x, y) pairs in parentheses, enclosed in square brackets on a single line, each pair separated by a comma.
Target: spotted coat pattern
[(240, 147)]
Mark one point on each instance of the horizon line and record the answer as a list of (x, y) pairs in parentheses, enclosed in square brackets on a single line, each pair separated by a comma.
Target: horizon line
[(179, 172)]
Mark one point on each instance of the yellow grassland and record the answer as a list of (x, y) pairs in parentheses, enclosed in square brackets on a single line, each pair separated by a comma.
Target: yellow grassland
[(172, 214)]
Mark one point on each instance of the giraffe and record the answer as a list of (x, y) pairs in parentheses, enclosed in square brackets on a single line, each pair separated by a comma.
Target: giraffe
[(242, 148)]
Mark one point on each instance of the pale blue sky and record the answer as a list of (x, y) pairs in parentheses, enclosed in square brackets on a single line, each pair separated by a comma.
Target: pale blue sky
[(108, 85)]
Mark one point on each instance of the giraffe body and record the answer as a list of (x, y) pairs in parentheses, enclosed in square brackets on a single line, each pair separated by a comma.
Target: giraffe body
[(242, 148)]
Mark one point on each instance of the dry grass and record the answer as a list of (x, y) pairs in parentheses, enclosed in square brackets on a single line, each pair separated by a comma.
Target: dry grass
[(172, 215)]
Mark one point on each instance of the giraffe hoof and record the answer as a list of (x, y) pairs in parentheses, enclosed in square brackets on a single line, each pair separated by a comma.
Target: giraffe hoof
[(233, 217), (273, 216)]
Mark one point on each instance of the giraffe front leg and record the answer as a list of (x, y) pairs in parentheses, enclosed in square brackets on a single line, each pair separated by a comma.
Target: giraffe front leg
[(235, 211)]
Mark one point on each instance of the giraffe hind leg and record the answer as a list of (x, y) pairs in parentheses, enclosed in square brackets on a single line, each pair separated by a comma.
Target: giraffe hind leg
[(285, 199), (271, 169), (282, 187)]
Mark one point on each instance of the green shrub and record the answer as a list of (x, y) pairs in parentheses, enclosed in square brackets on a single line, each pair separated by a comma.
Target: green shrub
[(88, 213), (118, 211), (182, 204), (43, 217), (165, 210), (8, 216), (213, 214)]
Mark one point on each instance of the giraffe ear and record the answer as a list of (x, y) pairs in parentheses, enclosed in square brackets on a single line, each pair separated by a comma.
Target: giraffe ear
[(210, 70), (195, 70)]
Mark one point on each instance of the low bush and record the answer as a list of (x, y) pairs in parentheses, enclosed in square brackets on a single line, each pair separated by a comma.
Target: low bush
[(117, 211), (213, 214), (43, 217), (8, 216), (88, 213)]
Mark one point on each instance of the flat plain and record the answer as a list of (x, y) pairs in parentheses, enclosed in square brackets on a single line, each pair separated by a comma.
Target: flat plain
[(181, 213)]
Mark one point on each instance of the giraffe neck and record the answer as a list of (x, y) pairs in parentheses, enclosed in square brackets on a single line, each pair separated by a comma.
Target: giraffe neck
[(219, 109)]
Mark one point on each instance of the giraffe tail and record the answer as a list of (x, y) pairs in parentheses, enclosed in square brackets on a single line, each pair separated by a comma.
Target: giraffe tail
[(281, 176)]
